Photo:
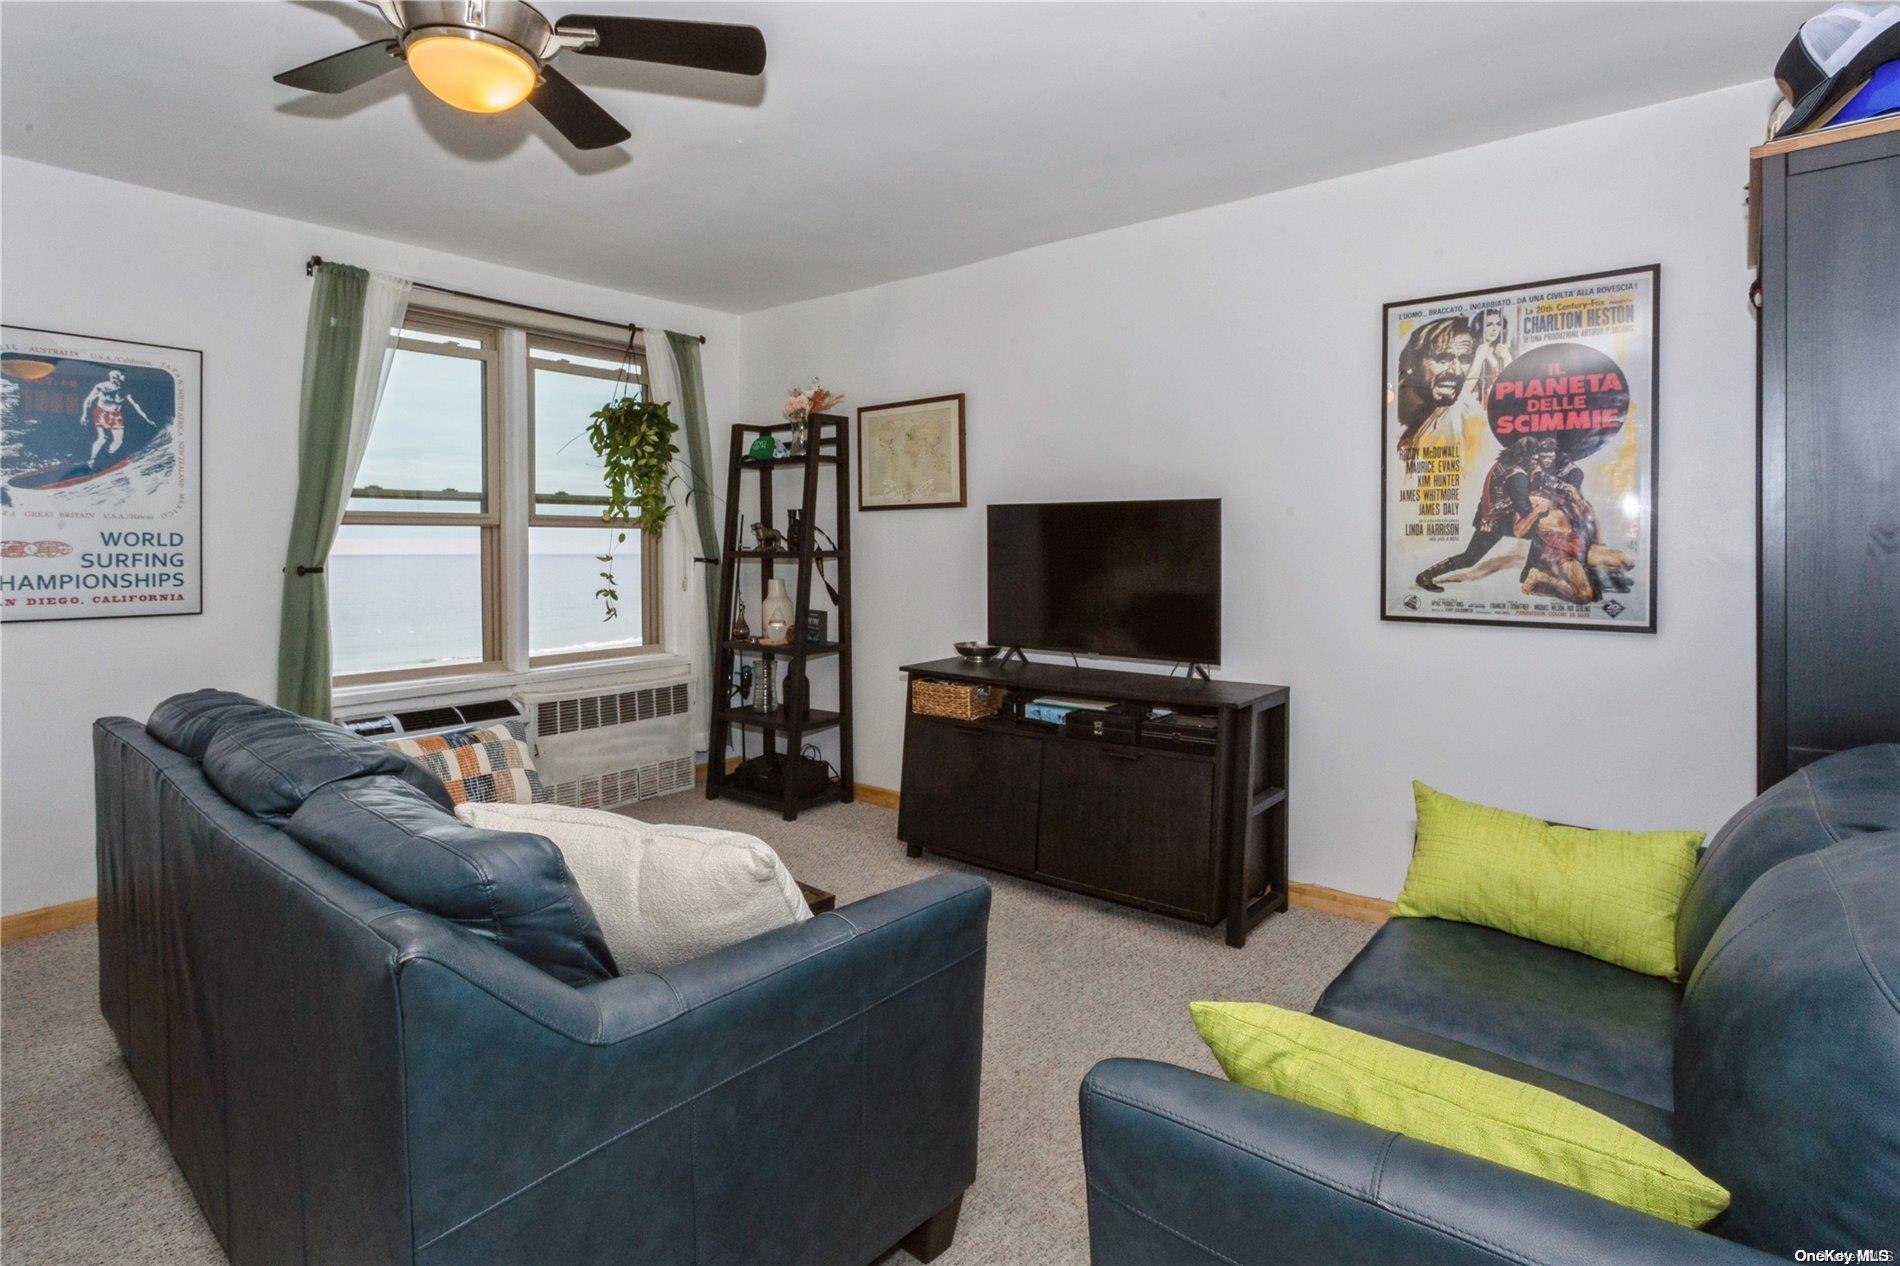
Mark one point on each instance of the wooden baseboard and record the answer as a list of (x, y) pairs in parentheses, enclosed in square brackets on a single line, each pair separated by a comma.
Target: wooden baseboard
[(882, 797), (699, 770), (71, 914), (1333, 901)]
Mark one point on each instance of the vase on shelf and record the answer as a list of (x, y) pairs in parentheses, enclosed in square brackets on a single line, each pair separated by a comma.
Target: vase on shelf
[(776, 614), (801, 403)]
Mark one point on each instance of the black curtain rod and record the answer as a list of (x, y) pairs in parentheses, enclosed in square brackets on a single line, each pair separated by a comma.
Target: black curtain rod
[(310, 267)]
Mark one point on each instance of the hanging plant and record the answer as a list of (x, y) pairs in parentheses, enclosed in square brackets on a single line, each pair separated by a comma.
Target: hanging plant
[(634, 439)]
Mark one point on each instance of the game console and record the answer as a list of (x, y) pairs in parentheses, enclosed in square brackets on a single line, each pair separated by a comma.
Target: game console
[(1180, 732), (1106, 724)]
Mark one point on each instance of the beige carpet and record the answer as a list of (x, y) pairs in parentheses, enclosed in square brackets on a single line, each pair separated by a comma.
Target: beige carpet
[(86, 1177)]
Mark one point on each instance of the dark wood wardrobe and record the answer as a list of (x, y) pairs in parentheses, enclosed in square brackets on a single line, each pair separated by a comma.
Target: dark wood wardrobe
[(1829, 508)]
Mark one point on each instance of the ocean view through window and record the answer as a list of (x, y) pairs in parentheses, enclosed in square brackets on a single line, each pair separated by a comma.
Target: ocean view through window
[(423, 610), (422, 581)]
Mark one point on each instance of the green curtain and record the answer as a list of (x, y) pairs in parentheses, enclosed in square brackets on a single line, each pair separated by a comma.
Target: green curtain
[(332, 346), (692, 402)]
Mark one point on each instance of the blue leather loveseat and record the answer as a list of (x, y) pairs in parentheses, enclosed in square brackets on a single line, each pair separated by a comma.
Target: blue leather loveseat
[(1774, 1069), (345, 1078)]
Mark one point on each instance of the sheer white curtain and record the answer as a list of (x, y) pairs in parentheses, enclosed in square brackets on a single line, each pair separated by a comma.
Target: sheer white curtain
[(385, 304), (685, 588)]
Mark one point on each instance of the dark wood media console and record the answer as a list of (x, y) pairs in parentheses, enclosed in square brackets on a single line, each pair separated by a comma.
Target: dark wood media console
[(1197, 834)]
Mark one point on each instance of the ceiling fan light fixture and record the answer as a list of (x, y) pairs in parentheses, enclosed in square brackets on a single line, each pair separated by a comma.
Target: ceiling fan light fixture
[(471, 70), (487, 56)]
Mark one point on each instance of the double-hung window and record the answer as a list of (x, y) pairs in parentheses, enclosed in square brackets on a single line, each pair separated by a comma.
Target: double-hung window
[(473, 539), (569, 545)]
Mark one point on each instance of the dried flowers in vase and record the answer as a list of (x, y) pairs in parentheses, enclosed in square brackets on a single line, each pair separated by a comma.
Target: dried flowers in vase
[(800, 404)]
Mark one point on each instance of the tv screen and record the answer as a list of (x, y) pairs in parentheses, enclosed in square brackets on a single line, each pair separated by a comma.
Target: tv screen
[(1138, 579)]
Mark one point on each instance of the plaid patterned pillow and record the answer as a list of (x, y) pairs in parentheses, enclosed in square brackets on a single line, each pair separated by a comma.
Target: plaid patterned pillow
[(490, 765)]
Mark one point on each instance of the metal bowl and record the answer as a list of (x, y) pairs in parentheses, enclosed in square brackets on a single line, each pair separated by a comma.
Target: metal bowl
[(978, 651)]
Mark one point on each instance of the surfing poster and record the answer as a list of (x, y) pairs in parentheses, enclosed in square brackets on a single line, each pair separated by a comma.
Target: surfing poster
[(100, 512), (1518, 455)]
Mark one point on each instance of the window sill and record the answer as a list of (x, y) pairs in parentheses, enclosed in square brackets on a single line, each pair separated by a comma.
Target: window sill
[(630, 670)]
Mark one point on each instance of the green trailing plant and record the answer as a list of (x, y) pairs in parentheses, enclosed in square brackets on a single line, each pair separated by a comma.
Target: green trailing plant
[(634, 439)]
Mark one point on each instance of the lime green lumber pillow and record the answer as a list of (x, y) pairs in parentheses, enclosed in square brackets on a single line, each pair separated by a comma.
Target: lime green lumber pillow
[(1610, 894), (1438, 1100)]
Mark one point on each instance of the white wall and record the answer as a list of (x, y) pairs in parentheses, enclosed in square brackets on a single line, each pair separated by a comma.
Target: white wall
[(1227, 352), (100, 257), (1234, 352)]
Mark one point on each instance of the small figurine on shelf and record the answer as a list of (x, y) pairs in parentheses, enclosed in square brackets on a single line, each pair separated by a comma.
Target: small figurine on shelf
[(741, 631), (768, 538), (800, 404)]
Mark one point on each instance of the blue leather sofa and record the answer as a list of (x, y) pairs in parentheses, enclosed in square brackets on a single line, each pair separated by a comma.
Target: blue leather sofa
[(1775, 1069), (344, 1076)]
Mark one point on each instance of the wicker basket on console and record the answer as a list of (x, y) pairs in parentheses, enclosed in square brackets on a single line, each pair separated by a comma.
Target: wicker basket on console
[(955, 700)]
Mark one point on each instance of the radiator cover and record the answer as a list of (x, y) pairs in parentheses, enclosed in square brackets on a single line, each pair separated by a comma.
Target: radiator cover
[(602, 749)]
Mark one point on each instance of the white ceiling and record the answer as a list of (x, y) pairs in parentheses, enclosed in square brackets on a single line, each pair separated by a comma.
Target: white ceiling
[(884, 140)]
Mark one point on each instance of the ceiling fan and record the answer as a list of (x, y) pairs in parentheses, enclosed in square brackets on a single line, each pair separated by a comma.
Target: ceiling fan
[(486, 56)]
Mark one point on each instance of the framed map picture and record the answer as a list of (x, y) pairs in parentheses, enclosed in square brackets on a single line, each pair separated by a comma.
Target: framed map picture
[(100, 490), (910, 455), (1518, 455)]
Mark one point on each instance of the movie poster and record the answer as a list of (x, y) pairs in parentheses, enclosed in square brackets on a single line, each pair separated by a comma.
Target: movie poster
[(99, 477), (1518, 456)]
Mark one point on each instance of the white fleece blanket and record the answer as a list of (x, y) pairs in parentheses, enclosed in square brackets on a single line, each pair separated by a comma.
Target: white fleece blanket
[(662, 894)]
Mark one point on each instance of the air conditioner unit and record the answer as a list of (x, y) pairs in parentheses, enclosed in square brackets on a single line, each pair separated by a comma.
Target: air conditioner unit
[(431, 718), (599, 749)]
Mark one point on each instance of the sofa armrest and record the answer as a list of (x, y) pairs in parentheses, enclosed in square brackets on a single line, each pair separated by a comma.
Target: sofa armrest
[(1186, 1168), (808, 1094), (915, 929)]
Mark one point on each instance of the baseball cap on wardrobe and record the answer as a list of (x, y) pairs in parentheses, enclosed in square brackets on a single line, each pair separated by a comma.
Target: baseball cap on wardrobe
[(1831, 53)]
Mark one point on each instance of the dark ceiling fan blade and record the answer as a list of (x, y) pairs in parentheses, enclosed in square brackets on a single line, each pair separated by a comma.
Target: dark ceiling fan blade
[(573, 113), (343, 71), (737, 50)]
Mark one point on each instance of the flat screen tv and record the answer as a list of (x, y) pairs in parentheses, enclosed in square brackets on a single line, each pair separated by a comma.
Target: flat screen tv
[(1135, 579)]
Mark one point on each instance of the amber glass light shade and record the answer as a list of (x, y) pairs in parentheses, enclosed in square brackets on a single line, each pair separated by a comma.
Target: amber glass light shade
[(470, 74)]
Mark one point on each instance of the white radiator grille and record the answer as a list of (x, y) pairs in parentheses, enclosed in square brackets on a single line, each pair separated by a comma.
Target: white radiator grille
[(610, 790), (591, 712), (606, 749)]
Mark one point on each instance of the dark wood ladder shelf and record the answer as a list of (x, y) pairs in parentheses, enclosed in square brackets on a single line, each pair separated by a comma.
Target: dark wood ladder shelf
[(787, 554), (752, 463), (769, 651), (815, 719), (828, 445)]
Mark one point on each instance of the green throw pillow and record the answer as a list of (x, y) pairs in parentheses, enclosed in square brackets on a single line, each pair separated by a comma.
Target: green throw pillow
[(1610, 894), (1453, 1105)]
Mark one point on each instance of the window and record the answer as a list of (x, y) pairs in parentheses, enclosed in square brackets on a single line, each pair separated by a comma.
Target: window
[(448, 562), (569, 545)]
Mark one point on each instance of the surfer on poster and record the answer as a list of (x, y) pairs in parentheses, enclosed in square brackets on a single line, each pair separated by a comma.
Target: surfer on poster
[(104, 412)]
